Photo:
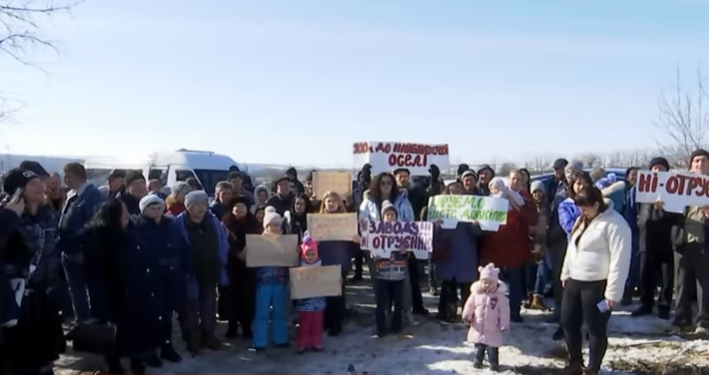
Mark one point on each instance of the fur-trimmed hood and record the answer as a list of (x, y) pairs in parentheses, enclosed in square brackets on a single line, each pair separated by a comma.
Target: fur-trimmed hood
[(502, 288), (613, 188), (258, 189)]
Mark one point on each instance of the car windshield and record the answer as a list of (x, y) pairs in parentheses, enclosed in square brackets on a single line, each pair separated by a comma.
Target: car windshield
[(210, 178)]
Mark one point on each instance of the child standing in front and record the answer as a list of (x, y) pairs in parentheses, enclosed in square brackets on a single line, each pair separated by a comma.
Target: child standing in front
[(487, 311), (310, 310), (391, 274), (271, 293)]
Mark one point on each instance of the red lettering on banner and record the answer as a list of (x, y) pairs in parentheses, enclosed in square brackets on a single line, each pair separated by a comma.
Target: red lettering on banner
[(420, 149), (408, 160), (384, 148), (362, 148), (677, 184)]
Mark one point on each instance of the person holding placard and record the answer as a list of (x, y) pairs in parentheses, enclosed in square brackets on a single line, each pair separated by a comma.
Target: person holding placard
[(692, 257), (310, 310), (271, 294), (334, 253), (390, 281)]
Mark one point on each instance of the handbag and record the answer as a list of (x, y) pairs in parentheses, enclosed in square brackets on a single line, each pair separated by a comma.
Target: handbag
[(93, 337)]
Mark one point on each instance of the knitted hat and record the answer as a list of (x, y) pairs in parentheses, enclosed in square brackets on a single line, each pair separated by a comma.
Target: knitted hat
[(17, 179), (181, 187), (462, 168), (469, 172), (309, 244), (134, 176), (537, 185), (698, 153), (150, 200), (659, 161), (486, 167), (388, 206), (560, 163), (271, 217), (35, 167), (195, 197), (489, 272), (497, 182)]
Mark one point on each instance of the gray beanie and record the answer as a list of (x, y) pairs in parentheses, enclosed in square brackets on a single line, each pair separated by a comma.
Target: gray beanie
[(150, 200), (181, 187), (195, 197)]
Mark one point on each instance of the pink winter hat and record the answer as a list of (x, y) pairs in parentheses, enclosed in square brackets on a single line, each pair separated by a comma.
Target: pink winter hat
[(489, 272)]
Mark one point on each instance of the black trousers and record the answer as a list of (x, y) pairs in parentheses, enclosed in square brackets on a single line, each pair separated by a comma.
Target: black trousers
[(415, 283), (558, 252), (691, 267), (389, 292), (432, 282), (579, 309), (358, 263), (448, 300), (652, 265), (335, 310)]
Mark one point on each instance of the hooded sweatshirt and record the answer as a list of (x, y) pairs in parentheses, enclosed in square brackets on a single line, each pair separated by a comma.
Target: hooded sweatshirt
[(258, 189)]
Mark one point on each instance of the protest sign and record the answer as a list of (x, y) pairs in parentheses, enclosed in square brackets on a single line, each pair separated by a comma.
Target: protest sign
[(676, 189), (389, 156), (332, 227), (272, 250), (309, 282), (381, 238), (339, 182), (489, 212)]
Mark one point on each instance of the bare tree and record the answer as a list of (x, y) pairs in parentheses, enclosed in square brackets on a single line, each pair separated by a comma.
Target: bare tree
[(21, 36), (506, 168), (590, 160), (684, 118)]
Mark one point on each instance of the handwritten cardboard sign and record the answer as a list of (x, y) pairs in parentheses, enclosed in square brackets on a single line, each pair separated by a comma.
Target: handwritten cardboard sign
[(332, 227), (389, 156), (489, 212), (676, 189), (381, 238), (339, 182), (272, 250), (309, 282)]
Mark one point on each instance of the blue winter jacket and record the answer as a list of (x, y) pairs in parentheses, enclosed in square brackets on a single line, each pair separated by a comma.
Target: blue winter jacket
[(370, 210), (192, 287), (568, 213), (616, 193)]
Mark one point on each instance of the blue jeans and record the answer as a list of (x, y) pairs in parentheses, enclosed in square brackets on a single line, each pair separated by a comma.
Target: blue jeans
[(633, 280), (267, 296), (514, 277), (78, 288)]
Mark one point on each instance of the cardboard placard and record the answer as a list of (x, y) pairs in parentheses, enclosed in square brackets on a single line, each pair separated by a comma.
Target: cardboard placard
[(310, 282), (390, 156), (332, 227), (272, 250), (339, 182)]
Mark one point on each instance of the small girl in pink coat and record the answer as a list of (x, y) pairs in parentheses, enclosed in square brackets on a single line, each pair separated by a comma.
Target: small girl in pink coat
[(487, 311)]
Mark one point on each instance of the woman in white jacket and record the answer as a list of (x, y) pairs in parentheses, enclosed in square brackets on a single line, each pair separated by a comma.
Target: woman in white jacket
[(594, 273)]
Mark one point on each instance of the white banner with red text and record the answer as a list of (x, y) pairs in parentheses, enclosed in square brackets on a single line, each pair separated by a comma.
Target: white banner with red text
[(676, 190), (390, 156), (382, 238)]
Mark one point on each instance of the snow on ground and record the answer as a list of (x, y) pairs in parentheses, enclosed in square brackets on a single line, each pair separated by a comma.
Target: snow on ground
[(637, 345)]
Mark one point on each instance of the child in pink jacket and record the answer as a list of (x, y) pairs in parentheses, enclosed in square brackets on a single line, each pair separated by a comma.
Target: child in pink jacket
[(487, 311)]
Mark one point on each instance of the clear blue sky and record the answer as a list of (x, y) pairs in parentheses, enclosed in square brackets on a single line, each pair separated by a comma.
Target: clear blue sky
[(283, 81)]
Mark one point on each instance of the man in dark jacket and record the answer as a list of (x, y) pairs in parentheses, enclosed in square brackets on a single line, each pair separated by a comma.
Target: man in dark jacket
[(82, 203), (282, 201), (116, 183), (34, 339), (136, 189), (656, 257), (222, 193), (557, 185), (691, 257), (237, 187)]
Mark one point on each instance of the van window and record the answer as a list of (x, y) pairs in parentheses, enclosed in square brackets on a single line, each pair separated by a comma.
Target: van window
[(183, 174), (209, 179), (158, 174)]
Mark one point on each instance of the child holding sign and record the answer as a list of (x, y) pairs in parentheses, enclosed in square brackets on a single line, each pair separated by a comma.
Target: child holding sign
[(271, 292), (310, 310), (391, 274)]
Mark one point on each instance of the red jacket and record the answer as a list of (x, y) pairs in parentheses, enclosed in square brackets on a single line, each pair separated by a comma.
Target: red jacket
[(510, 245)]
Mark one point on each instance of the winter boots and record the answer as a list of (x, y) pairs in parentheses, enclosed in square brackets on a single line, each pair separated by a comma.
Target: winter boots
[(536, 302)]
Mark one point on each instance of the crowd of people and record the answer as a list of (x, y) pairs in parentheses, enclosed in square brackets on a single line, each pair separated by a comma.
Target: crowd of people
[(117, 263)]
